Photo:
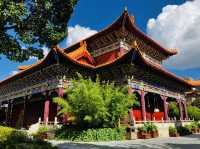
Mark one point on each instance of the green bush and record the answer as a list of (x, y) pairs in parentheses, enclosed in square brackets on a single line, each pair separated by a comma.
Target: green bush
[(43, 129), (173, 110), (151, 127), (13, 139), (194, 125), (184, 130), (198, 124), (148, 127), (142, 129), (102, 134), (172, 130), (5, 132), (95, 104), (193, 112)]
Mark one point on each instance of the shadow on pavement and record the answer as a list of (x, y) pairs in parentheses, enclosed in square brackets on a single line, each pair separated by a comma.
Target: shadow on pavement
[(93, 146), (183, 146), (197, 136)]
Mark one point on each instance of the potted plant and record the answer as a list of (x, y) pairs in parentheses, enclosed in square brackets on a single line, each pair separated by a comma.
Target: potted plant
[(173, 132), (154, 132), (198, 129), (152, 129), (143, 133), (45, 133), (194, 127), (184, 130)]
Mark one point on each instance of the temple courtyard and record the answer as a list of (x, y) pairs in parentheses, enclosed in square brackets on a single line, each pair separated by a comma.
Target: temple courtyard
[(186, 142)]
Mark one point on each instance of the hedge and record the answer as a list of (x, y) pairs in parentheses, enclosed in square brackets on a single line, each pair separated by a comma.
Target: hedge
[(101, 134), (5, 132), (13, 139)]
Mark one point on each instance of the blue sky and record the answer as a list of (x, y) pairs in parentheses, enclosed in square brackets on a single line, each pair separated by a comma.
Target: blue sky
[(97, 14)]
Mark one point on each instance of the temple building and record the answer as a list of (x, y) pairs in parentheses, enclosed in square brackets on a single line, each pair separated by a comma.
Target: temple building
[(119, 53)]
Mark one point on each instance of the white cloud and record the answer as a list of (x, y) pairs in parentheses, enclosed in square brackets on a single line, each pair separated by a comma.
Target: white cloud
[(77, 33), (13, 72), (45, 52), (178, 26)]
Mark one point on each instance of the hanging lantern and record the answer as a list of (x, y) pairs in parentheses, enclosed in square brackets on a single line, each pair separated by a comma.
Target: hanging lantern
[(156, 110)]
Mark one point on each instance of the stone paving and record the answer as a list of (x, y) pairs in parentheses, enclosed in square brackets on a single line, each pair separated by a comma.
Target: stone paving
[(186, 142)]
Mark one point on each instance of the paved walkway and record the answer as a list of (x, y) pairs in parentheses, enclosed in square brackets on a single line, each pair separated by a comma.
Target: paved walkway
[(186, 142)]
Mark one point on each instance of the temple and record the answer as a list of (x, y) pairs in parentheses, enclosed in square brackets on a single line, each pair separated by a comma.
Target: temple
[(119, 53)]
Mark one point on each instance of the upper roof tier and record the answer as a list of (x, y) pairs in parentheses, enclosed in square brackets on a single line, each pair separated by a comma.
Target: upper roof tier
[(124, 29)]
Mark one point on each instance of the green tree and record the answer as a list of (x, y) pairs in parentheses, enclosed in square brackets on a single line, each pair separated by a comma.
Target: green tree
[(95, 105), (196, 102), (173, 110), (117, 101), (193, 112), (32, 24)]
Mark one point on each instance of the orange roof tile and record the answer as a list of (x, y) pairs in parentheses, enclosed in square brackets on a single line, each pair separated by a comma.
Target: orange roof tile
[(81, 52), (194, 83), (23, 67), (70, 57)]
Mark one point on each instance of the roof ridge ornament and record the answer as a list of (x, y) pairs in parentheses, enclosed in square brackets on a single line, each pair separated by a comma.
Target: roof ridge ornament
[(83, 43)]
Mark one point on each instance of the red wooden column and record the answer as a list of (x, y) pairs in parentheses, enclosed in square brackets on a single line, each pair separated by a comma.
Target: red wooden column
[(131, 115), (185, 107), (60, 92), (180, 109), (164, 98), (46, 108), (142, 94)]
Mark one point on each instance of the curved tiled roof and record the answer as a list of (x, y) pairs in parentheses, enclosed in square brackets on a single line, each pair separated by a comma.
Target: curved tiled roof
[(155, 66), (194, 83), (119, 23), (81, 52)]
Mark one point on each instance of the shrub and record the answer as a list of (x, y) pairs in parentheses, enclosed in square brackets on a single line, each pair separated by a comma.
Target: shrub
[(95, 105), (101, 134), (193, 112), (173, 110), (43, 129), (148, 127), (172, 130), (45, 132), (196, 102), (184, 130), (5, 132), (198, 124), (13, 139), (194, 125), (142, 129)]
